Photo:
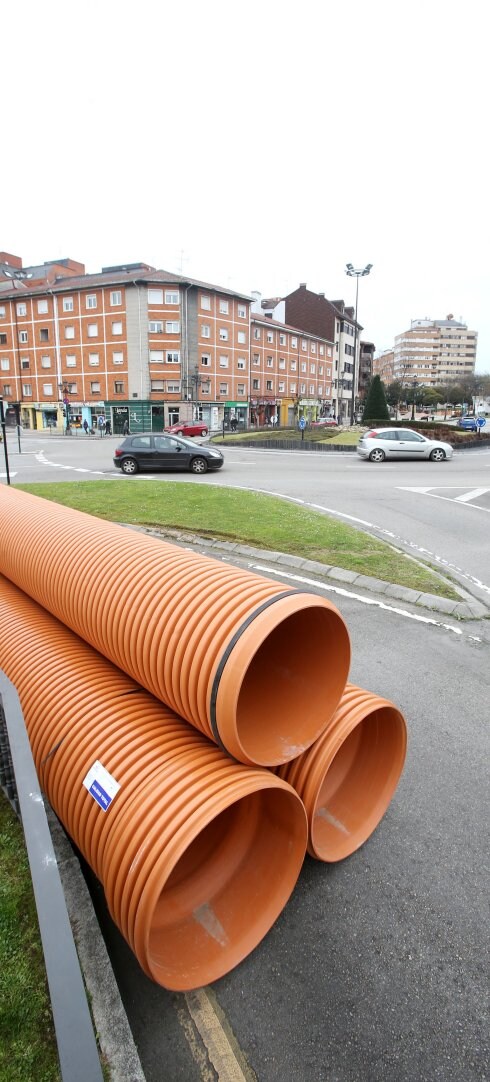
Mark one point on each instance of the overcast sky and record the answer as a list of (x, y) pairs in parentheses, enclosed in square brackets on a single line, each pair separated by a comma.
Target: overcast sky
[(257, 146)]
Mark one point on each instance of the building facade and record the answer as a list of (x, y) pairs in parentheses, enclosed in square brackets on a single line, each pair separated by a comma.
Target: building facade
[(434, 352), (334, 321), (130, 344), (290, 372)]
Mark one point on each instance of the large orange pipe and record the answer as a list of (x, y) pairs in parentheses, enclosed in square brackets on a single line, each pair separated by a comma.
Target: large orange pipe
[(197, 854), (347, 778), (257, 667)]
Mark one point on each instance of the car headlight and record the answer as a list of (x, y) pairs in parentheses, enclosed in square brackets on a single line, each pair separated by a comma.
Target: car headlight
[(215, 454)]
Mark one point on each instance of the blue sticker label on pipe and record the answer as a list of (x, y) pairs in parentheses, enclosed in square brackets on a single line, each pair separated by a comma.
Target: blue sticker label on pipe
[(101, 785)]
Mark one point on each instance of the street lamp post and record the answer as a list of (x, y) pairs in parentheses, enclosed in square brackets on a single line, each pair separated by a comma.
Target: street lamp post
[(354, 272), (4, 436), (415, 385)]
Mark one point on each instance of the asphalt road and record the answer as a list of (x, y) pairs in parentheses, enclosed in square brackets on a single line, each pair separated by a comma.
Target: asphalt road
[(377, 969)]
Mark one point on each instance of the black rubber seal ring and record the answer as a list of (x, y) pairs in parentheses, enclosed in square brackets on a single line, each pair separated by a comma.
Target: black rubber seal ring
[(232, 643)]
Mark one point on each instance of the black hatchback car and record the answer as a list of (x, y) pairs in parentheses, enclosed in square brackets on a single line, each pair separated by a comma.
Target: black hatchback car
[(161, 451)]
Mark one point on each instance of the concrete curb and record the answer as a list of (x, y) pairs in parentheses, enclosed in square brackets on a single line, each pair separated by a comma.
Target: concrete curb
[(469, 608), (115, 1039)]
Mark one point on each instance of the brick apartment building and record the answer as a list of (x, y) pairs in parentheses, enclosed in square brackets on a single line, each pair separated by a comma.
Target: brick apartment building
[(131, 343), (149, 347), (290, 371), (334, 322)]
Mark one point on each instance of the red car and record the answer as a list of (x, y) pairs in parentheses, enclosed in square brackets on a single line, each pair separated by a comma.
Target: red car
[(188, 428), (330, 421)]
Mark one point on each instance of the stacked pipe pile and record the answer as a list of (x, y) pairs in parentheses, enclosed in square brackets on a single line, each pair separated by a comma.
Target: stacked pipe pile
[(198, 853)]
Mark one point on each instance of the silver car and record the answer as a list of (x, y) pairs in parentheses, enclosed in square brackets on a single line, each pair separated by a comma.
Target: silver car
[(379, 444)]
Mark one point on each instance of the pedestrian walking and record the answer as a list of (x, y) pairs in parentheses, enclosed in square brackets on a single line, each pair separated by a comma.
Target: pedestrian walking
[(101, 424), (126, 428), (85, 427)]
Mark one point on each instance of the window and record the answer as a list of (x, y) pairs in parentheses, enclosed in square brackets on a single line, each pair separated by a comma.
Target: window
[(156, 356), (92, 331), (293, 388), (223, 361), (93, 359), (282, 362), (5, 364), (2, 311), (22, 309), (223, 388), (205, 388), (294, 365), (268, 385), (24, 362), (312, 347), (322, 351), (256, 384), (172, 326), (157, 385), (71, 361), (47, 388), (7, 389), (312, 388), (240, 390), (72, 388), (116, 297), (282, 386), (95, 387), (241, 338), (155, 326), (257, 333), (320, 388), (320, 370), (270, 336), (173, 388), (282, 339), (205, 360), (171, 296), (242, 311), (42, 307), (27, 390), (155, 296), (3, 339), (294, 343), (303, 388), (206, 303), (241, 364), (23, 337), (91, 300), (223, 307), (256, 358), (173, 356), (304, 345), (68, 304), (118, 358), (312, 369), (44, 334), (45, 362), (303, 366), (270, 362), (223, 334), (117, 327), (205, 330), (118, 387)]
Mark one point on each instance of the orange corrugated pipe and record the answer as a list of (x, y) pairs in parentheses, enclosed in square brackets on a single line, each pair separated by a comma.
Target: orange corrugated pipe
[(197, 854), (347, 778), (242, 658)]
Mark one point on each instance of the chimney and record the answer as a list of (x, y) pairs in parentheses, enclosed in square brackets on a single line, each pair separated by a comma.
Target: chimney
[(302, 285)]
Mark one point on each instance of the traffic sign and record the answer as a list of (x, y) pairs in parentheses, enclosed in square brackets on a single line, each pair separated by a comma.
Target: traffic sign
[(302, 423), (481, 422)]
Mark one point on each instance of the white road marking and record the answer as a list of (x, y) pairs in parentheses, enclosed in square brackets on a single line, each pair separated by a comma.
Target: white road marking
[(473, 495), (10, 474), (43, 461), (356, 597)]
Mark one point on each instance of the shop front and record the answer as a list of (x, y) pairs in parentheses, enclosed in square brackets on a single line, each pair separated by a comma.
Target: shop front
[(235, 415)]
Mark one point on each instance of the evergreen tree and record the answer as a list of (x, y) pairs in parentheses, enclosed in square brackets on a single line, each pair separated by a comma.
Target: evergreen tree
[(375, 408)]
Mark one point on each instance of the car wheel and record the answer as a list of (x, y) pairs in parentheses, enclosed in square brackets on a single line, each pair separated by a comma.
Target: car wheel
[(377, 455), (204, 432), (129, 466), (199, 465), (437, 455)]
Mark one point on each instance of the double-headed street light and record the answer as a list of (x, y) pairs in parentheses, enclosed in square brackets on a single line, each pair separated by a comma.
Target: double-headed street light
[(354, 272)]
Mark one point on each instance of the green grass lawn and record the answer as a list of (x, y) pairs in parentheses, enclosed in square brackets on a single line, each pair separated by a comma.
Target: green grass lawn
[(27, 1043), (256, 519)]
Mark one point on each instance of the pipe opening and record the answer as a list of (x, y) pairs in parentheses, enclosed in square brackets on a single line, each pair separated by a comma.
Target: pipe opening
[(359, 784), (227, 889), (282, 705)]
